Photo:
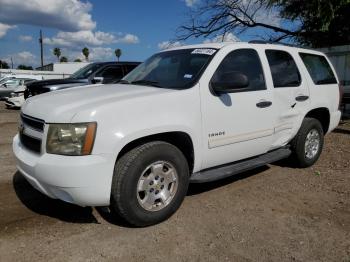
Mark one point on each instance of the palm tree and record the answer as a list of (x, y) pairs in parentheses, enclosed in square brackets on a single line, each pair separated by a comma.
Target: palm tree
[(57, 52), (64, 59), (118, 53), (86, 53)]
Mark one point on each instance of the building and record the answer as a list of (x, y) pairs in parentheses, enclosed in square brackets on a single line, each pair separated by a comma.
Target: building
[(67, 68), (340, 58)]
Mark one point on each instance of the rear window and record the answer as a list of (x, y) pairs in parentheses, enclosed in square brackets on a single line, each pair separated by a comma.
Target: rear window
[(319, 69)]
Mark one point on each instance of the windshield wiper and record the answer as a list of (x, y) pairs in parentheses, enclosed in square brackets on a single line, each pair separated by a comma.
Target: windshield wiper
[(146, 82)]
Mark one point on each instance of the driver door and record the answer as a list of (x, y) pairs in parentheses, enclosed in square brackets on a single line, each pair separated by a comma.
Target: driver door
[(237, 124)]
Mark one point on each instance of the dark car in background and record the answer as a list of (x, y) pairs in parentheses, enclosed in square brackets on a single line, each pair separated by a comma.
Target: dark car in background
[(94, 73)]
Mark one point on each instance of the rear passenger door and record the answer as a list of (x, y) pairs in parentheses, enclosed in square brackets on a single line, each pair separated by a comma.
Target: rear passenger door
[(290, 92)]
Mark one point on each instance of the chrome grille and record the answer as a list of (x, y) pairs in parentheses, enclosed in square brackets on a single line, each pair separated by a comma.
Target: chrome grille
[(30, 132)]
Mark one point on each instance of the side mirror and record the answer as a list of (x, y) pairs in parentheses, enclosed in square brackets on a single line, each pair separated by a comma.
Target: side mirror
[(97, 80), (230, 82)]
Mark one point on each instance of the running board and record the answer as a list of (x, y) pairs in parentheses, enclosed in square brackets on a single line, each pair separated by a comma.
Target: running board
[(221, 172)]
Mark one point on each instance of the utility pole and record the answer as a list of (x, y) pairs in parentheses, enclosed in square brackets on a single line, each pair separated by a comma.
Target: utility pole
[(41, 48), (11, 63)]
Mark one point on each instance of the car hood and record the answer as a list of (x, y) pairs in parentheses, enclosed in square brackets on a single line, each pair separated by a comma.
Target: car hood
[(61, 106), (51, 83)]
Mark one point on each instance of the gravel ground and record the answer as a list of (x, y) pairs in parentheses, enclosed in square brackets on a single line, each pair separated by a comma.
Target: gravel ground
[(274, 213)]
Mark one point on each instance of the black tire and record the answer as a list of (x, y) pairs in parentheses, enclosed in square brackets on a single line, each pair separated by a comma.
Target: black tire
[(298, 143), (127, 172)]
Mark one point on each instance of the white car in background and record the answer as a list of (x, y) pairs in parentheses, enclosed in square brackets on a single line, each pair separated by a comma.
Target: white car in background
[(4, 78), (16, 99), (8, 85)]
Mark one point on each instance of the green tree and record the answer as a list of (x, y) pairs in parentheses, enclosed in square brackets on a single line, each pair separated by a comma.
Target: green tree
[(316, 23), (118, 53), (4, 65), (77, 60), (57, 52), (24, 67), (64, 59), (86, 53)]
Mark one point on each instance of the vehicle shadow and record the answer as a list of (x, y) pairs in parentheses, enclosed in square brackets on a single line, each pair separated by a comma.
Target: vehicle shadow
[(43, 205), (341, 131), (112, 217), (195, 189)]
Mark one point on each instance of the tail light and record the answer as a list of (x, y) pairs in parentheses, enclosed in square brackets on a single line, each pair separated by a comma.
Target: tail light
[(341, 92)]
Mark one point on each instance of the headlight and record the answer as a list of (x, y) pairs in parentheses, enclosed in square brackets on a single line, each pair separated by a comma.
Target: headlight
[(71, 139), (16, 94)]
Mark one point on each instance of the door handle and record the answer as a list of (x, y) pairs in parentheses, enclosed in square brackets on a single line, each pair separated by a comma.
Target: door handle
[(264, 104), (301, 98)]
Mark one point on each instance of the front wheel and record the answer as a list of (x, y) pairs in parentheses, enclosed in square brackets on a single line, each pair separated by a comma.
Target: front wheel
[(308, 143), (149, 183)]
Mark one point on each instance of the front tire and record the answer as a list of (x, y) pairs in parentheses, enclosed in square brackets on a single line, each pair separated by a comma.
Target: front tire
[(308, 143), (149, 183)]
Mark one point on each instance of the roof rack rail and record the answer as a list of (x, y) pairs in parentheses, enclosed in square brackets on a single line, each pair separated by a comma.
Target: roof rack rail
[(273, 43)]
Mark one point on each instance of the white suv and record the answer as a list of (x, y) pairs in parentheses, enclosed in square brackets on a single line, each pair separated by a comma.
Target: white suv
[(190, 114)]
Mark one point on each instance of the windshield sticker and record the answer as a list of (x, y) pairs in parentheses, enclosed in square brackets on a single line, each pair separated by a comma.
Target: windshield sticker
[(187, 76), (204, 51)]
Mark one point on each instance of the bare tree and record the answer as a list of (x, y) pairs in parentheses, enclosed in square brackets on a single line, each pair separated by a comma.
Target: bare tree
[(313, 22), (218, 17)]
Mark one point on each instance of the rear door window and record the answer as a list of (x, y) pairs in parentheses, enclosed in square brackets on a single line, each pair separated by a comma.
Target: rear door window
[(319, 69), (284, 71)]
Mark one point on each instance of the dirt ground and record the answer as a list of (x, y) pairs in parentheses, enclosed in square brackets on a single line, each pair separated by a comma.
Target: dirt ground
[(274, 213)]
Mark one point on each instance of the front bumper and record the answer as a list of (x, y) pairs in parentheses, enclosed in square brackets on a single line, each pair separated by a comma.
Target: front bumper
[(11, 102), (81, 180)]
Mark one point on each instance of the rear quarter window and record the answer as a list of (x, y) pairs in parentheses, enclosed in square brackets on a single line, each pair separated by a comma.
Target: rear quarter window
[(319, 69)]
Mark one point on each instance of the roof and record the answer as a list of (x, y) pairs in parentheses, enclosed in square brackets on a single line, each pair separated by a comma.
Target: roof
[(205, 45), (247, 44), (117, 63)]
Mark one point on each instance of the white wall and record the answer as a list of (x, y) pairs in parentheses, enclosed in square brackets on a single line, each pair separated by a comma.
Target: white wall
[(44, 74), (340, 58), (60, 70), (69, 67)]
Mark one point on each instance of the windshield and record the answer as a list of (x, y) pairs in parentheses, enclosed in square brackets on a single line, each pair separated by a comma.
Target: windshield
[(178, 69), (3, 80), (86, 71)]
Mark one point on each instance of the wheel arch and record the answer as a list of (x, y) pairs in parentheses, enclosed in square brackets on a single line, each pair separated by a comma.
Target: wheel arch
[(322, 114), (180, 139)]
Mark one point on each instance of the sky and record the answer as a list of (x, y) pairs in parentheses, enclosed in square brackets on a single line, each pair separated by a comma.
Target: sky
[(139, 28)]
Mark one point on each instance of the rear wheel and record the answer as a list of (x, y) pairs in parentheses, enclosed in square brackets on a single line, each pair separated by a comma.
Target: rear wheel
[(149, 183), (308, 143)]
